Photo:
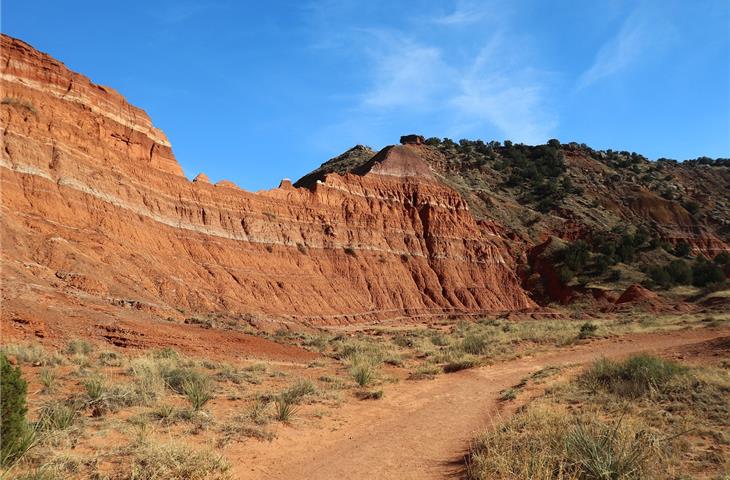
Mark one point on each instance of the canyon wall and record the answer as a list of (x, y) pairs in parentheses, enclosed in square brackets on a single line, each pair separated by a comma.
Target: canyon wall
[(98, 220)]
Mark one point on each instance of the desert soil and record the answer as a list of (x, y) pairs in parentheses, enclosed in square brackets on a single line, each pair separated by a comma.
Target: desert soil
[(422, 430)]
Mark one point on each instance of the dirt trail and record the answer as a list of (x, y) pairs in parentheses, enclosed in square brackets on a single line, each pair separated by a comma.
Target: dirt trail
[(420, 430)]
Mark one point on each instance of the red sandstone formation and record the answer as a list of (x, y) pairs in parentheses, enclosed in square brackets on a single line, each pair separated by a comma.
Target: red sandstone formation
[(98, 221), (636, 293)]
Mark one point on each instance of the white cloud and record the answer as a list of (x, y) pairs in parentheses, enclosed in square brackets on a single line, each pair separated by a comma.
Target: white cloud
[(405, 73), (464, 13), (414, 76), (491, 87), (642, 31)]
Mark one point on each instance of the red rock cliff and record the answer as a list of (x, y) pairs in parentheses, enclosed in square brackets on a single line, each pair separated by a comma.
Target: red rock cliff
[(97, 217)]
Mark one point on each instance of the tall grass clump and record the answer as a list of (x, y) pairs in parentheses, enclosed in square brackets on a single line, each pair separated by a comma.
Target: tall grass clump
[(284, 408), (363, 374), (600, 451), (545, 444), (155, 462), (473, 344), (299, 390), (198, 392), (31, 354), (637, 376), (55, 416)]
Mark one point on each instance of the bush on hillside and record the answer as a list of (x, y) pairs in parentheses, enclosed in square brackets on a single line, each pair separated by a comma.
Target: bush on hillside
[(14, 430)]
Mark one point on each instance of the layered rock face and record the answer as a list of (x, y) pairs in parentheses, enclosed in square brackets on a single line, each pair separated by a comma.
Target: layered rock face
[(98, 219)]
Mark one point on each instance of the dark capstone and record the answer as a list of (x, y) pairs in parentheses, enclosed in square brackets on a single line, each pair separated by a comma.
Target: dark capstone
[(412, 139)]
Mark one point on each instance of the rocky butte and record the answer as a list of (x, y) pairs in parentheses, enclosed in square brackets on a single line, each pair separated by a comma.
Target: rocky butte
[(99, 223)]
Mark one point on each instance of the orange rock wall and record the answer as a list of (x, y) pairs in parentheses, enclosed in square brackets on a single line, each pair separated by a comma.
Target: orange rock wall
[(96, 211)]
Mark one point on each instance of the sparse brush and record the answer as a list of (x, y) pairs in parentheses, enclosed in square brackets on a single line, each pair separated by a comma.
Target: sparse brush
[(163, 412), (96, 396), (177, 378), (259, 412), (606, 452), (198, 392), (31, 354), (439, 339), (363, 373), (56, 416), (587, 330), (155, 462), (473, 344), (299, 390), (508, 394), (284, 408), (48, 380), (460, 364), (110, 359), (79, 347), (369, 394), (95, 388), (167, 353), (636, 376), (425, 372)]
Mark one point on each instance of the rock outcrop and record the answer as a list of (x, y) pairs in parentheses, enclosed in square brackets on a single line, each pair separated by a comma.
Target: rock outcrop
[(98, 220)]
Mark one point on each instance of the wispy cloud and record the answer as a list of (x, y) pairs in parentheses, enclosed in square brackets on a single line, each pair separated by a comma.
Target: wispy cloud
[(405, 73), (641, 32), (414, 76), (464, 13), (490, 88), (511, 98), (181, 11)]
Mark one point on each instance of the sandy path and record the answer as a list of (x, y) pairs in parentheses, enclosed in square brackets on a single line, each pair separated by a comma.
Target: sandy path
[(419, 430)]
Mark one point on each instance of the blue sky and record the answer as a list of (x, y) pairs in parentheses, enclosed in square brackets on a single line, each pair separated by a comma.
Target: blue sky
[(256, 91)]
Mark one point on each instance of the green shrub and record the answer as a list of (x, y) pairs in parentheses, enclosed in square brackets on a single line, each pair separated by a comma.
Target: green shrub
[(198, 392), (48, 380), (587, 330), (682, 249), (177, 377), (705, 273), (284, 408), (363, 373), (460, 364), (680, 272), (369, 394), (637, 376), (473, 344), (14, 430), (56, 416), (299, 390), (601, 451), (156, 462), (722, 258), (79, 347)]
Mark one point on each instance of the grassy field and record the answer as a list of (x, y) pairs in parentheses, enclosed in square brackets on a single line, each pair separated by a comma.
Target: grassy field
[(104, 414), (641, 418), (99, 412)]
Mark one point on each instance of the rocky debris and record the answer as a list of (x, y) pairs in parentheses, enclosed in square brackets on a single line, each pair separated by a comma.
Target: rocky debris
[(96, 192), (638, 298), (412, 140), (636, 293), (226, 184), (201, 178)]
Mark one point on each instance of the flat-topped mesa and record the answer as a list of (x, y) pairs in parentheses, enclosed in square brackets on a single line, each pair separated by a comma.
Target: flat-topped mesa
[(46, 87)]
